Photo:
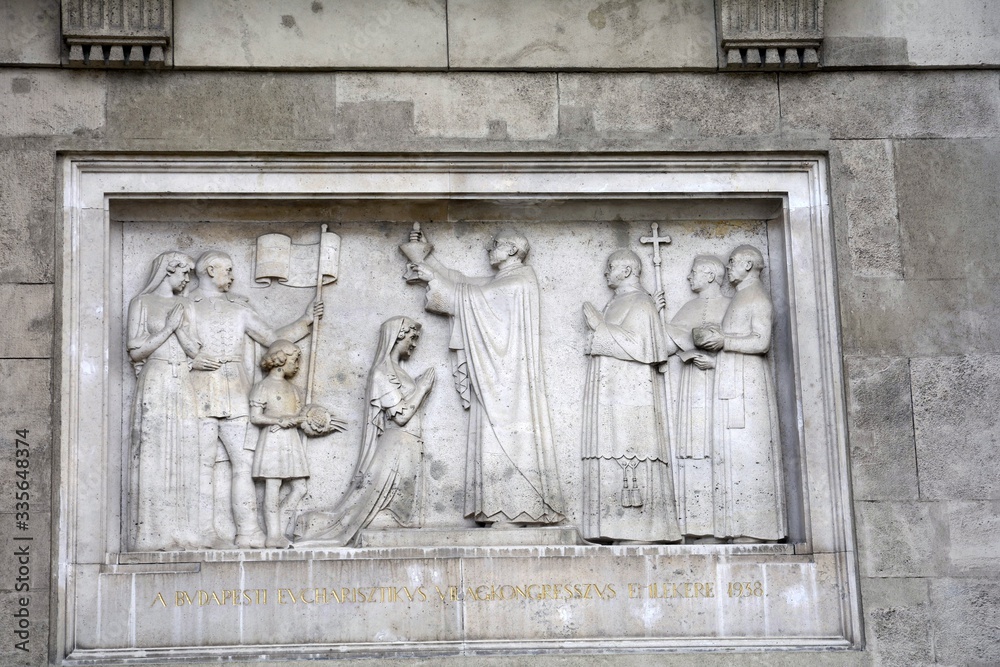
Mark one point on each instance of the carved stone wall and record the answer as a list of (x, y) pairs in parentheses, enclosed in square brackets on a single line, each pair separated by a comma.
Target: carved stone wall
[(453, 577), (116, 33), (771, 34)]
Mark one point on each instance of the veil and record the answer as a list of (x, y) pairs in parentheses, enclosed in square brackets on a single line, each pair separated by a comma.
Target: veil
[(375, 415), (159, 268)]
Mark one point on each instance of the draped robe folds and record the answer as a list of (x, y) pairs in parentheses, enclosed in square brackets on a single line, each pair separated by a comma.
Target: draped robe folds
[(625, 430), (695, 425), (510, 468), (164, 474), (747, 476), (388, 474)]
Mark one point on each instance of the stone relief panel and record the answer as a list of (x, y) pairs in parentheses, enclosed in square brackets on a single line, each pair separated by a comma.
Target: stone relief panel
[(674, 436), (465, 422)]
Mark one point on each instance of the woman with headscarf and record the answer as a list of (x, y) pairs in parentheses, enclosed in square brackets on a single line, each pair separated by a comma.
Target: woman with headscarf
[(388, 473), (164, 455)]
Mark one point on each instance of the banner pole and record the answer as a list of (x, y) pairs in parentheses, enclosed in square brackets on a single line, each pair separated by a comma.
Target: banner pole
[(314, 343)]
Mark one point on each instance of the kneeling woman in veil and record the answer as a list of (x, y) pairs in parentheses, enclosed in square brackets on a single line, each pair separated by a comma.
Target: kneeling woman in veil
[(387, 476)]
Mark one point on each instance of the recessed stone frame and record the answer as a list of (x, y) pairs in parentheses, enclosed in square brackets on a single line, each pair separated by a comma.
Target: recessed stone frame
[(107, 609)]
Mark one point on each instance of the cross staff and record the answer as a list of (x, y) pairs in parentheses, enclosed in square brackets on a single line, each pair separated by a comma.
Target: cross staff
[(656, 240), (668, 402)]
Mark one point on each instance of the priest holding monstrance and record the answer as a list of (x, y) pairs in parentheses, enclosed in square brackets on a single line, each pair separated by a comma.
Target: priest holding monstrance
[(511, 469)]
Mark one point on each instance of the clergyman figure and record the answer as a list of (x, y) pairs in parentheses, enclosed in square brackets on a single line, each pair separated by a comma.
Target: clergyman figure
[(221, 375), (628, 491), (511, 473), (693, 442), (747, 480)]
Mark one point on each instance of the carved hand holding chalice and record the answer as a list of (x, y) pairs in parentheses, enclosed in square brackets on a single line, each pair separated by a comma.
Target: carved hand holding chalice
[(416, 250)]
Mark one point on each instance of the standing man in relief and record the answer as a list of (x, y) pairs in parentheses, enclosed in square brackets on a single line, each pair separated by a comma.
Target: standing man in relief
[(695, 396), (511, 469), (221, 376), (749, 496), (628, 490)]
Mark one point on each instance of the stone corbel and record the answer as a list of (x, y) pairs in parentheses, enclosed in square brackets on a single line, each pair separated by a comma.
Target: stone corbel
[(116, 33), (771, 34)]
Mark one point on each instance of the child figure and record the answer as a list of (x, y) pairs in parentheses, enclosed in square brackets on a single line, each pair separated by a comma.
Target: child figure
[(277, 406)]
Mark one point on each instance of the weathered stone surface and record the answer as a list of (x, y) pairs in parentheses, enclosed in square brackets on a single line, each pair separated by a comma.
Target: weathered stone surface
[(924, 33), (957, 426), (670, 105), (973, 537), (965, 618), (215, 111), (875, 105), (30, 33), (897, 318), (845, 50), (948, 203), (863, 175), (25, 393), (35, 102), (578, 33), (302, 34), (897, 621), (467, 106), (26, 328), (895, 539), (883, 459), (27, 215)]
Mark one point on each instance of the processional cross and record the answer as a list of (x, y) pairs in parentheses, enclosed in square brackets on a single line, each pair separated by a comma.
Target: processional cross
[(656, 240)]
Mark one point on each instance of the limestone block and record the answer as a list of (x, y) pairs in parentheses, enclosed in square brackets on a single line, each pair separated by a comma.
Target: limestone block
[(215, 111), (575, 33), (26, 395), (948, 201), (867, 50), (918, 317), (26, 329), (37, 619), (883, 460), (30, 32), (966, 615), (895, 539), (843, 105), (973, 537), (467, 106), (897, 621), (924, 33), (27, 215), (49, 102), (864, 178), (327, 33), (673, 105), (957, 425)]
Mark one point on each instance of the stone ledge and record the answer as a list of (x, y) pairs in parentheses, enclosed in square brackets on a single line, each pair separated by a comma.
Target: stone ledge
[(448, 551)]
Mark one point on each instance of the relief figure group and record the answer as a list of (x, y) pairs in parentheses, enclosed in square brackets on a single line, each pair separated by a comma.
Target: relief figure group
[(692, 455)]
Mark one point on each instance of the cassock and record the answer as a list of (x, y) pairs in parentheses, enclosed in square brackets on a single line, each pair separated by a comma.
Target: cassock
[(510, 467), (748, 489), (694, 416), (628, 491)]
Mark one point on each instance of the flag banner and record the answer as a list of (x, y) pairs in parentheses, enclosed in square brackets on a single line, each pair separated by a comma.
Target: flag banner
[(294, 264)]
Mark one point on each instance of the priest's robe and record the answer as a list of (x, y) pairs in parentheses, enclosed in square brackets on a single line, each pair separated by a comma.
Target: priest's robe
[(628, 491), (510, 465), (749, 495), (694, 423)]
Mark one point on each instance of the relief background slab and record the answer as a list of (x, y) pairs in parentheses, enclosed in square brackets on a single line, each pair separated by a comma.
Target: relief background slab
[(573, 211)]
